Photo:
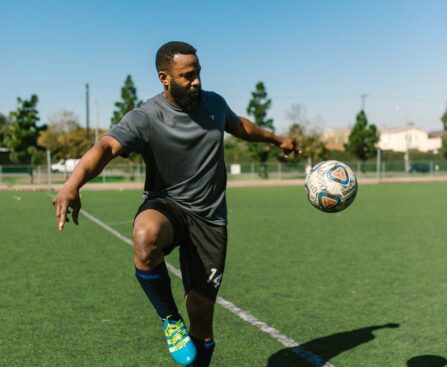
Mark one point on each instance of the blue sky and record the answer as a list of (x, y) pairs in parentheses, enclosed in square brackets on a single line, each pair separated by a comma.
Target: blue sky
[(320, 54)]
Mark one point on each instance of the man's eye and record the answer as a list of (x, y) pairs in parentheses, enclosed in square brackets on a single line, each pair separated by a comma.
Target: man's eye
[(191, 76)]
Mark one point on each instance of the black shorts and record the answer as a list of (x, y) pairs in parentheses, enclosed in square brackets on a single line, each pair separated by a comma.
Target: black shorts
[(202, 247)]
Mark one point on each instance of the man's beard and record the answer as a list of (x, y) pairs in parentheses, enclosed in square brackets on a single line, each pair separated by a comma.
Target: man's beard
[(187, 100)]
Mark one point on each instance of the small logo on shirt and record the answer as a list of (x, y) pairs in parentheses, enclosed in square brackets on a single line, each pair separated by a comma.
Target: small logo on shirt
[(212, 117)]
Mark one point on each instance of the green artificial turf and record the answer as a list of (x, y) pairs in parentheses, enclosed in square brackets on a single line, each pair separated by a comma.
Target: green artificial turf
[(363, 288)]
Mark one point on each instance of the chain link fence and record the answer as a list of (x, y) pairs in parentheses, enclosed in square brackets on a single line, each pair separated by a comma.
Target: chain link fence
[(11, 175), (388, 169)]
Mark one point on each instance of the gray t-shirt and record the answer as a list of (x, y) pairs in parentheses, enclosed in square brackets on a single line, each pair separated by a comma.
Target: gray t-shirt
[(183, 154)]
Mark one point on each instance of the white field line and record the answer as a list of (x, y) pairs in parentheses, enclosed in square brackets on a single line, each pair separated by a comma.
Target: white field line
[(120, 222), (310, 357)]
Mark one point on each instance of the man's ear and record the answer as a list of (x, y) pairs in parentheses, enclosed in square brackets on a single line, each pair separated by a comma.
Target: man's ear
[(164, 78)]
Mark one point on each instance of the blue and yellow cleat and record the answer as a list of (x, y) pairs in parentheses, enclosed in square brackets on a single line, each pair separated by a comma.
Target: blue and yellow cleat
[(180, 345)]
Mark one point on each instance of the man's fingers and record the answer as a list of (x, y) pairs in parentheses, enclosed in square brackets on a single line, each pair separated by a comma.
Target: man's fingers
[(75, 214), (290, 146), (58, 211), (66, 203), (296, 149), (296, 152), (61, 214), (56, 207), (62, 218)]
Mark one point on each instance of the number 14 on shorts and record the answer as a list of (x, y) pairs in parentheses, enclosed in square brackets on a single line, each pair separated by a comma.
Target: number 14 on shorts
[(213, 279)]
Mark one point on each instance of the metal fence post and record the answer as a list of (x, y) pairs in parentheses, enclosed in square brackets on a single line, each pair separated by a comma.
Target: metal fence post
[(49, 168), (38, 174), (378, 164)]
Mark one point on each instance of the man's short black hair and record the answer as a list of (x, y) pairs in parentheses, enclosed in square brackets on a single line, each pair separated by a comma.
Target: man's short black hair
[(166, 53)]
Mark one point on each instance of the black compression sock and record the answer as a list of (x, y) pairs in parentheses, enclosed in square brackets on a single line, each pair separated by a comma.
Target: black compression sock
[(205, 349), (157, 286)]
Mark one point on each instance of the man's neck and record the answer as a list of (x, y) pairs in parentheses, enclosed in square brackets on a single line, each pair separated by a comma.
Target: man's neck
[(170, 99)]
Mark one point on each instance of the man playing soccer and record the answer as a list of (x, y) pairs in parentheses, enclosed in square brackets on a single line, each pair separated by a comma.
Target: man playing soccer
[(179, 134)]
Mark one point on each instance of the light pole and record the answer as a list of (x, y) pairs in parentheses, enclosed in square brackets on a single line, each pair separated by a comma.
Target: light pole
[(364, 96), (379, 164), (97, 119), (407, 152), (87, 107)]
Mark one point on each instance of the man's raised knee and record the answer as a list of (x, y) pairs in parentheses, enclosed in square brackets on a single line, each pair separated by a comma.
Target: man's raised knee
[(146, 235), (152, 233), (147, 254)]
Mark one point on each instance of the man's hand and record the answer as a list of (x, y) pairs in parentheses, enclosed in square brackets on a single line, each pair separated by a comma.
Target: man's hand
[(90, 165), (65, 199), (289, 145)]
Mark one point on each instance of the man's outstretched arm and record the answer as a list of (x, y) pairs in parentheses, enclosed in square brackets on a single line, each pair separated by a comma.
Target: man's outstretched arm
[(247, 130), (90, 165)]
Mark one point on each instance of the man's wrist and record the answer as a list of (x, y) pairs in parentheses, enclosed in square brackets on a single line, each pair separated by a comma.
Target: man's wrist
[(71, 186), (277, 140)]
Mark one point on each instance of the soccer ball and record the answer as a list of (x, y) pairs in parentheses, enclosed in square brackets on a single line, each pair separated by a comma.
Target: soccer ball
[(331, 186)]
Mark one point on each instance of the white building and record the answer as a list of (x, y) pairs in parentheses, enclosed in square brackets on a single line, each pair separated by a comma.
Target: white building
[(397, 140), (410, 138), (335, 139)]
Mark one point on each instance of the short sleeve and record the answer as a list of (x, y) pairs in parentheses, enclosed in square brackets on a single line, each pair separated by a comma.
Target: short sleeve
[(231, 119), (132, 132)]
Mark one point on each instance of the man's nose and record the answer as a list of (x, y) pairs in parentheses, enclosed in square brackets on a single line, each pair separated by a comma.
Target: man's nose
[(196, 83)]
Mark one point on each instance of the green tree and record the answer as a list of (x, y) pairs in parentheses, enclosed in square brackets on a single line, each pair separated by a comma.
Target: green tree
[(20, 135), (76, 142), (129, 101), (64, 137), (309, 139), (3, 126), (363, 138), (236, 150), (258, 107), (444, 136), (311, 146)]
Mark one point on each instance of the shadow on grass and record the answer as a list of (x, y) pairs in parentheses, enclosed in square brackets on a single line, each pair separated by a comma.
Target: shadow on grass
[(317, 352), (427, 361)]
